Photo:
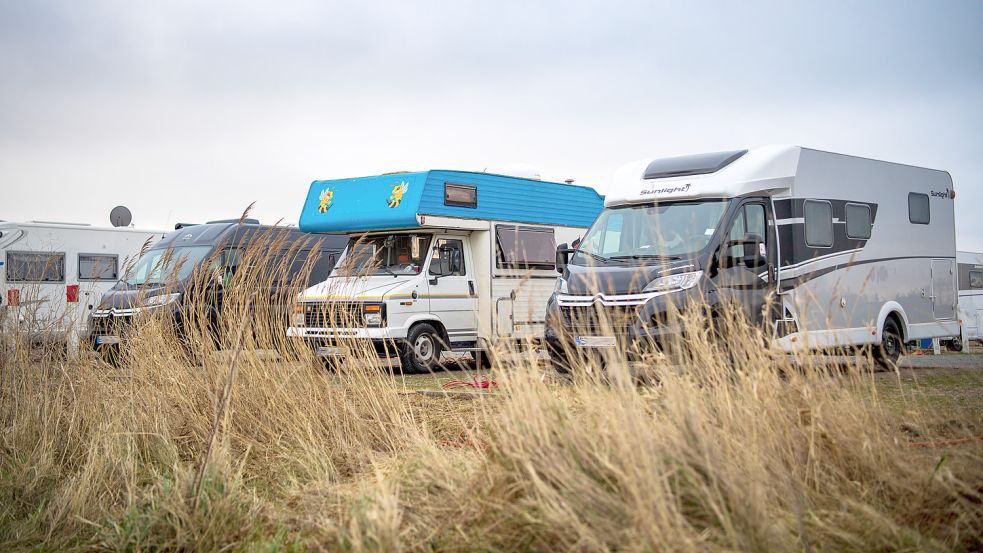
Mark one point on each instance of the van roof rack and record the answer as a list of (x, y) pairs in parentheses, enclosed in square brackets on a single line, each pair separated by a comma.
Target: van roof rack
[(179, 226)]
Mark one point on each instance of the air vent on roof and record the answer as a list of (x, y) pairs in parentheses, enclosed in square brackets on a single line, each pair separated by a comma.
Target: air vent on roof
[(521, 170), (683, 166)]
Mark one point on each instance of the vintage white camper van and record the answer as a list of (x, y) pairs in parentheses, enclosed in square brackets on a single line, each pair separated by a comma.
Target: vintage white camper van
[(437, 261), (53, 274), (969, 268), (852, 251)]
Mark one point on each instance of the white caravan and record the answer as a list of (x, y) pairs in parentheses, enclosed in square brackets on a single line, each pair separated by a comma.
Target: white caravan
[(53, 274), (847, 251), (437, 261), (970, 280)]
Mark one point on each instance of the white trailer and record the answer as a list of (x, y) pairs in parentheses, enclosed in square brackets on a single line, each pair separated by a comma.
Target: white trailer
[(53, 274), (969, 268), (438, 261), (846, 251)]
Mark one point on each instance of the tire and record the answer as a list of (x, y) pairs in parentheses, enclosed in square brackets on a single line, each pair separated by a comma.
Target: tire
[(422, 349), (889, 350), (955, 344)]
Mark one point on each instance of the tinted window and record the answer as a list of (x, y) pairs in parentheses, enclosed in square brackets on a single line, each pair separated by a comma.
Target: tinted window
[(858, 221), (457, 249), (35, 267), (976, 279), (918, 210), (699, 164), (525, 247), (98, 267), (750, 220), (461, 195), (818, 223)]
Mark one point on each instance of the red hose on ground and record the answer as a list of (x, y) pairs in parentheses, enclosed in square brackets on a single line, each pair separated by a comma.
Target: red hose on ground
[(485, 382)]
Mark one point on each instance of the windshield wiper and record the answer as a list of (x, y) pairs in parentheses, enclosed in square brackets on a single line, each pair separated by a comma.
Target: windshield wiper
[(594, 255), (647, 256), (388, 270)]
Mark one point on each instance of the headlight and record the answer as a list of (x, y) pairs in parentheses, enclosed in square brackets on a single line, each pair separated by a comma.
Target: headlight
[(373, 314), (560, 286), (670, 283), (163, 299)]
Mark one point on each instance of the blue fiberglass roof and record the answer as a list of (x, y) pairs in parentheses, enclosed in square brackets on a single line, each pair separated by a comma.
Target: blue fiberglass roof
[(394, 201)]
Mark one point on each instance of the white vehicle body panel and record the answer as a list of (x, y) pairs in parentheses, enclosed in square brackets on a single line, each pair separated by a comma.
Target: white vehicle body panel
[(970, 283), (44, 310)]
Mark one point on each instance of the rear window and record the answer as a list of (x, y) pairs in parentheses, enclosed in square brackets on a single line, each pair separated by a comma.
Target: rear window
[(98, 267), (525, 247), (35, 267), (976, 279), (858, 225), (918, 209)]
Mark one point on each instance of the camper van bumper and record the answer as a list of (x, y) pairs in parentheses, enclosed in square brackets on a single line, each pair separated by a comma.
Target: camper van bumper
[(387, 333), (650, 322)]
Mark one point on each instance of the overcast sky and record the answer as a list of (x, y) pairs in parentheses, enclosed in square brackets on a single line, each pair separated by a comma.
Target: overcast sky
[(187, 111)]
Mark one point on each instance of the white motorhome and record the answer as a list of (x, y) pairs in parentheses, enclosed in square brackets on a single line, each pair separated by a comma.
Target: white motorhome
[(846, 251), (53, 274), (969, 268), (438, 261)]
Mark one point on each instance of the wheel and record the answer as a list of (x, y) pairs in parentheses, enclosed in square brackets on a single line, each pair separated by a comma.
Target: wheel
[(955, 344), (891, 346), (421, 352)]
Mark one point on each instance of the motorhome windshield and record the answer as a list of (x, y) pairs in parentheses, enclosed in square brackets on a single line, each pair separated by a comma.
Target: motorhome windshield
[(391, 254), (651, 231), (166, 265)]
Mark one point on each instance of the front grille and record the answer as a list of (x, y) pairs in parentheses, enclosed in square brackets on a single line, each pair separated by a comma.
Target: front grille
[(598, 319), (109, 325), (333, 315)]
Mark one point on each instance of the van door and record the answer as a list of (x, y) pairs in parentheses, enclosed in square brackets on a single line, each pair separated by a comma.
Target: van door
[(943, 288), (454, 293), (750, 287)]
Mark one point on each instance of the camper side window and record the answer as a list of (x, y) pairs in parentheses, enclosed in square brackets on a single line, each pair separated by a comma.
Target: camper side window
[(35, 267), (98, 267), (918, 209), (858, 224), (525, 247), (818, 223), (976, 279)]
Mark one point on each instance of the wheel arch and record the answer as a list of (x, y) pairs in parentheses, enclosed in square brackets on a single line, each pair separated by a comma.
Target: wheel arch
[(892, 309)]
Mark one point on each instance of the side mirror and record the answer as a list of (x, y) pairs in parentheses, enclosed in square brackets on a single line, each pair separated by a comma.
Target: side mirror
[(562, 257)]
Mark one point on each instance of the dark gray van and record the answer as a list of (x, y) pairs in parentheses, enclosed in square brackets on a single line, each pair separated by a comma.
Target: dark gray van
[(161, 278)]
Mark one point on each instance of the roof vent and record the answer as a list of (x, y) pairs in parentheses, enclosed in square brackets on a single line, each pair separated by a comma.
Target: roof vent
[(521, 170), (684, 166)]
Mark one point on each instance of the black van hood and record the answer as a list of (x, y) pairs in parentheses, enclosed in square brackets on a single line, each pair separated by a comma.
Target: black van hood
[(622, 279), (126, 298)]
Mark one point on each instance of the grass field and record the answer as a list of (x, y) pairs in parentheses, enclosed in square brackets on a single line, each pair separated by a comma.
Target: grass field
[(176, 448)]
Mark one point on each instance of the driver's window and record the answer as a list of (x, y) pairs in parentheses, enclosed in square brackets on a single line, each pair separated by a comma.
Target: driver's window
[(456, 250), (737, 232)]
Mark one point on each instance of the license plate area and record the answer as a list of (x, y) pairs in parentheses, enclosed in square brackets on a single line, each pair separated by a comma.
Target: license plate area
[(107, 340), (328, 351), (595, 341)]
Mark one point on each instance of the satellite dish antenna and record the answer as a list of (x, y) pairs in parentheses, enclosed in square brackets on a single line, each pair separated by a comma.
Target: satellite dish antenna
[(120, 216)]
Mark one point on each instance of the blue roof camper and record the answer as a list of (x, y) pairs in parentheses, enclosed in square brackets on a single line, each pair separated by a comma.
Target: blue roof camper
[(438, 260), (405, 200)]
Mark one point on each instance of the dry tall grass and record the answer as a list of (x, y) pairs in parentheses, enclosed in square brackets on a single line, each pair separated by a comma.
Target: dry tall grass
[(731, 450)]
